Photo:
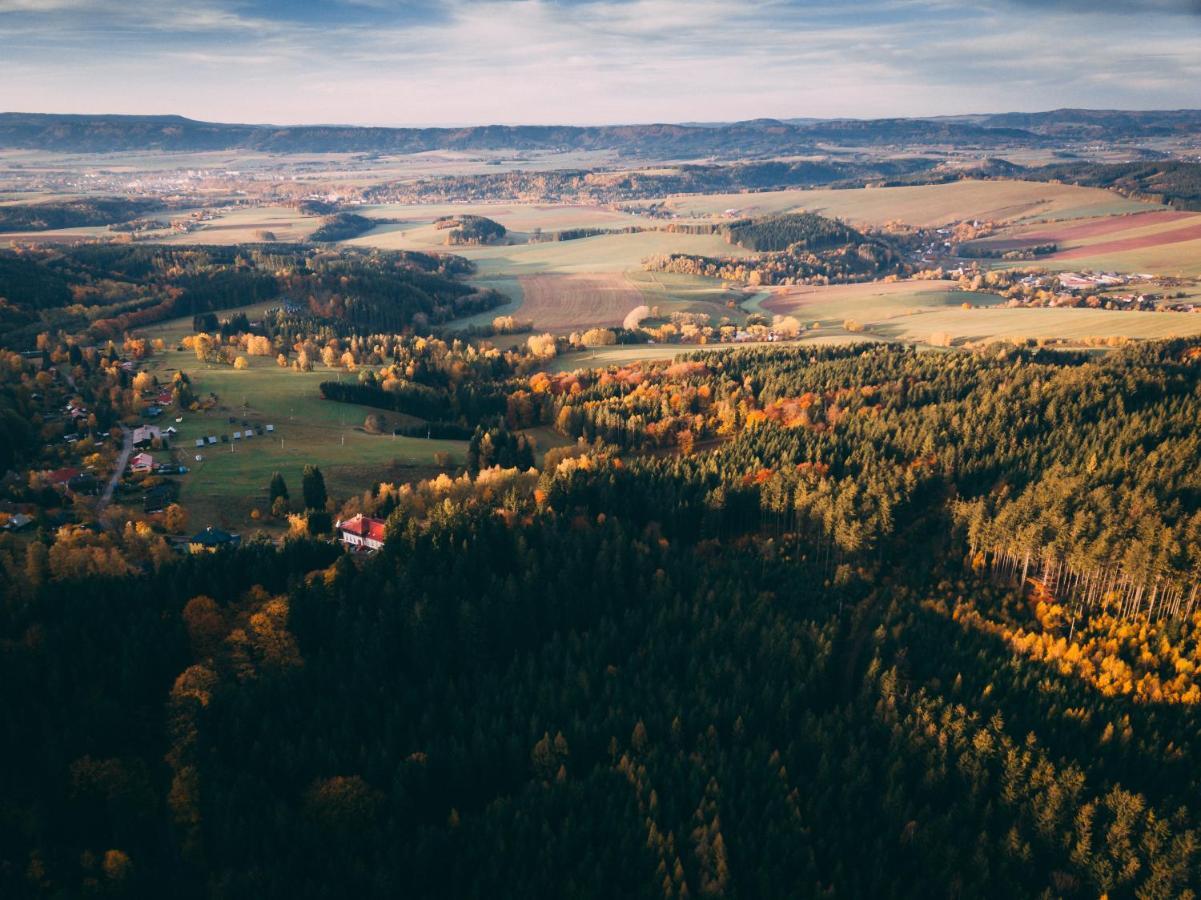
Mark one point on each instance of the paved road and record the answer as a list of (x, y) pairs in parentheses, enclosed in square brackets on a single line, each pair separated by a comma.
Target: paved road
[(122, 462)]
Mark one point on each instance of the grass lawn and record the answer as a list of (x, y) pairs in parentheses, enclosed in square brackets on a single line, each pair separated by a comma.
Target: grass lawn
[(232, 479), (172, 331)]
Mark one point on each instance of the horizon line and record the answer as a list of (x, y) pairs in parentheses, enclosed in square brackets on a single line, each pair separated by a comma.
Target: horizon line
[(783, 120)]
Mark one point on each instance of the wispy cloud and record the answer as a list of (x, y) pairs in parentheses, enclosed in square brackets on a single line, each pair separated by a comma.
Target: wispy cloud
[(459, 61)]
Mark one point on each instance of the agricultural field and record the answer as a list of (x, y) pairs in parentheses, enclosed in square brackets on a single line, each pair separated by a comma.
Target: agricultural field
[(60, 236), (231, 479), (563, 302), (922, 205), (914, 311), (603, 253), (867, 303), (249, 225), (416, 231), (987, 324), (1159, 242)]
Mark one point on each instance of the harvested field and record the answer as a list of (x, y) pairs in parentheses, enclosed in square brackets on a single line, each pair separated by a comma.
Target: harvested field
[(1134, 242), (63, 236), (925, 205), (568, 302), (1181, 259), (964, 325), (1080, 231), (868, 302)]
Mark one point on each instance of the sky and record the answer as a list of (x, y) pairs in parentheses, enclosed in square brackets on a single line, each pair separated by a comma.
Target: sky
[(461, 62)]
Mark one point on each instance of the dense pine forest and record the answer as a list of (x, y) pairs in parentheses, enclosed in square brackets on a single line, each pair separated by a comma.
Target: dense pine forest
[(787, 622)]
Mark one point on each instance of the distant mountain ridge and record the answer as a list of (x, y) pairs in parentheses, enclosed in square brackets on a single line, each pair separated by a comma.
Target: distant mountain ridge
[(111, 133)]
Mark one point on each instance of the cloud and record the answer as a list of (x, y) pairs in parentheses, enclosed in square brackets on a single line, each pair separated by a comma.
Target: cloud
[(584, 61)]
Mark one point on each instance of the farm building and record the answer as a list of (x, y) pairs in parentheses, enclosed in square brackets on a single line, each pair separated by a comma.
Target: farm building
[(362, 533), (211, 540)]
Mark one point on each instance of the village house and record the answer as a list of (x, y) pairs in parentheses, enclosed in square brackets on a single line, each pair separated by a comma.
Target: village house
[(211, 540), (142, 463), (61, 477), (145, 435), (362, 533)]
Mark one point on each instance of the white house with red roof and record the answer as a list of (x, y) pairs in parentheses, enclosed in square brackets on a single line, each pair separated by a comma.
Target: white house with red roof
[(362, 533)]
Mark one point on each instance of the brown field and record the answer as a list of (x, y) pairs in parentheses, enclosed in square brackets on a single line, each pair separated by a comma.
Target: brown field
[(925, 205), (867, 302), (562, 302), (46, 237), (1134, 242), (1098, 227)]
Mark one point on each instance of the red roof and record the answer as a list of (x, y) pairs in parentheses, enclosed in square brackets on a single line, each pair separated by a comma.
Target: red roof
[(62, 476), (364, 527)]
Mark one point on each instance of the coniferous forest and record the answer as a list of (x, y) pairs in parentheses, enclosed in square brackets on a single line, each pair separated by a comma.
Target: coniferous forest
[(789, 622)]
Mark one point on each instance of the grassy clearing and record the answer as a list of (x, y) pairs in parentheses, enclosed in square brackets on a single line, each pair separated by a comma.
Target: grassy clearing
[(172, 331), (232, 479), (937, 204)]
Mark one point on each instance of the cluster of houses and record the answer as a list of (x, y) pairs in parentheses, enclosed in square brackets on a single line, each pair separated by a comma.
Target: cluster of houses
[(1074, 281)]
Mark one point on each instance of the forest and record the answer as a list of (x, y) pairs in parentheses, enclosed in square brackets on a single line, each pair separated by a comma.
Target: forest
[(102, 291), (783, 622), (77, 213), (469, 230), (795, 248), (342, 227)]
